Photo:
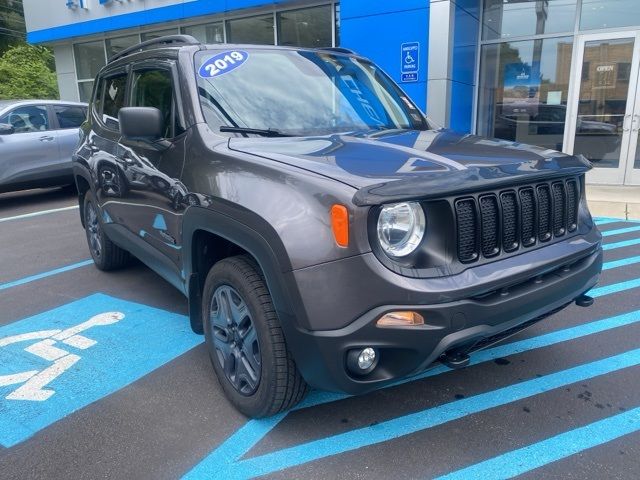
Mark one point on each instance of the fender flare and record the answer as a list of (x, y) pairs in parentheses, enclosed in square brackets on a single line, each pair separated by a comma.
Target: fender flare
[(261, 241)]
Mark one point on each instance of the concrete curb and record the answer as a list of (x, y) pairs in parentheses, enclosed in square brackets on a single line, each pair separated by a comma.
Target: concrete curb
[(617, 201)]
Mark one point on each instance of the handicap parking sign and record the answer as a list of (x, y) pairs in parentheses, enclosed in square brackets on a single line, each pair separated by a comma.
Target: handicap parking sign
[(59, 361), (410, 61)]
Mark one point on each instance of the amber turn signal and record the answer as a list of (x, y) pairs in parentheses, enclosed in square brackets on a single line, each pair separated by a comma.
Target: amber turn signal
[(340, 224), (400, 319)]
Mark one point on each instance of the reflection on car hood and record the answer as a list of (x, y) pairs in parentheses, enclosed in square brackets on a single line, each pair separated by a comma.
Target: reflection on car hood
[(398, 164)]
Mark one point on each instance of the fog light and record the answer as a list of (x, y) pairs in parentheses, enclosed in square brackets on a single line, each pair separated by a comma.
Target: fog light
[(400, 319), (366, 358), (362, 361)]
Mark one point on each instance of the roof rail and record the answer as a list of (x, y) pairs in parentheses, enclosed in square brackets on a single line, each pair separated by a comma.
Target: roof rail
[(338, 50), (171, 40)]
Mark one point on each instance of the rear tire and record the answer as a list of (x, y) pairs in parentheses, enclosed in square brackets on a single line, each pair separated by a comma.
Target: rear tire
[(245, 340), (106, 254)]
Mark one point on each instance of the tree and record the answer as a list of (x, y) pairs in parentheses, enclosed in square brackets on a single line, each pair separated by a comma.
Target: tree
[(28, 71), (12, 28)]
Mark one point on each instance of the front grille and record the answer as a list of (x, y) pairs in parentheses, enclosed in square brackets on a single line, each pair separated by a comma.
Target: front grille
[(572, 205), (510, 221), (544, 213), (467, 230), (517, 218), (528, 209), (489, 215), (559, 209)]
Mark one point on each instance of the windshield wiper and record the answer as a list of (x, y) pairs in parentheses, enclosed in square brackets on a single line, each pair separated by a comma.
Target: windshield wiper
[(255, 131)]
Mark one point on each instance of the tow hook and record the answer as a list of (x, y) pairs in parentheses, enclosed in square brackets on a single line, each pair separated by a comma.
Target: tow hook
[(455, 359), (584, 301)]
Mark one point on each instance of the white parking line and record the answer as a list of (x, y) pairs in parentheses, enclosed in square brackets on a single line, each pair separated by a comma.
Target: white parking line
[(37, 214)]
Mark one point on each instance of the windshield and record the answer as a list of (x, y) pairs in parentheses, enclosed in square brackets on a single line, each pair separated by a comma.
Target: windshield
[(300, 93)]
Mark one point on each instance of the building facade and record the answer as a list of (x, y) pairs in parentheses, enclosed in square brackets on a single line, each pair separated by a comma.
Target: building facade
[(564, 74)]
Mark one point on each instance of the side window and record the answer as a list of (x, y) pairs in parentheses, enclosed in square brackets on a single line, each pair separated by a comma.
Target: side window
[(30, 118), (110, 98), (154, 88), (70, 116)]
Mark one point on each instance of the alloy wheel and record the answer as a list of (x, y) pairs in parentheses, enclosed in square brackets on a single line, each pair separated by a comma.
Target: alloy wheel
[(93, 230), (235, 339)]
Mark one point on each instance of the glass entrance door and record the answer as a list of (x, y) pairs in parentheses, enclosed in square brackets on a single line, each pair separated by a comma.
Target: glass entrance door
[(633, 165), (603, 102)]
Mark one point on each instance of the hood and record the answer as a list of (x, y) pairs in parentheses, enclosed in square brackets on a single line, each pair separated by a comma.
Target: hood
[(401, 164)]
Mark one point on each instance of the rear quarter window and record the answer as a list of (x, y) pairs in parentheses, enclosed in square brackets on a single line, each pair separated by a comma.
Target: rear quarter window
[(70, 116)]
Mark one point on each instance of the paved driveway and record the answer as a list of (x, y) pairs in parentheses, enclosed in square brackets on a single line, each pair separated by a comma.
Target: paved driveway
[(100, 377)]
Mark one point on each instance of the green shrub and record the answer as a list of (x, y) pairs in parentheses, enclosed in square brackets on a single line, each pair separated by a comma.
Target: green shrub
[(28, 71)]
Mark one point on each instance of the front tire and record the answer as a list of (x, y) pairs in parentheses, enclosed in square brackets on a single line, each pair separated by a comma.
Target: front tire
[(245, 341), (106, 254)]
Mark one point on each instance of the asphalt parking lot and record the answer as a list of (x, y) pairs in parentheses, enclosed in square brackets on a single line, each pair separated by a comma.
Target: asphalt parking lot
[(132, 395)]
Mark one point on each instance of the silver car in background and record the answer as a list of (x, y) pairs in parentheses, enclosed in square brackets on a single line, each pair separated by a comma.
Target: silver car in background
[(37, 138)]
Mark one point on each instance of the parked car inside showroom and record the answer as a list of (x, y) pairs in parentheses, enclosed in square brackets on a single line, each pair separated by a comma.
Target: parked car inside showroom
[(37, 139), (324, 231)]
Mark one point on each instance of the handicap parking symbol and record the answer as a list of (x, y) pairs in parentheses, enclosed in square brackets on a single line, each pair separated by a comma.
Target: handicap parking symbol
[(34, 381), (410, 57), (59, 361)]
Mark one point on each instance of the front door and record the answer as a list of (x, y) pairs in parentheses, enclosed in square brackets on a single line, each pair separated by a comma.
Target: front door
[(29, 155), (157, 197), (604, 115)]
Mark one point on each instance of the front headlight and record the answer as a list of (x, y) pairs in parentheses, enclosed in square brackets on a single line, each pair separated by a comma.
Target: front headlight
[(401, 228)]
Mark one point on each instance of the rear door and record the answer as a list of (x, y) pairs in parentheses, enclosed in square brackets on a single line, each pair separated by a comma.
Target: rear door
[(68, 119), (28, 157)]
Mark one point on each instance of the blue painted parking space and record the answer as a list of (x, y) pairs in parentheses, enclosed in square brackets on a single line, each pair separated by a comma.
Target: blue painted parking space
[(59, 361), (232, 458), (247, 437), (129, 383)]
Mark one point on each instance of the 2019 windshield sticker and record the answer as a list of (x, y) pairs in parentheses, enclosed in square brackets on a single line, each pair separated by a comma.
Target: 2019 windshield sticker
[(222, 63)]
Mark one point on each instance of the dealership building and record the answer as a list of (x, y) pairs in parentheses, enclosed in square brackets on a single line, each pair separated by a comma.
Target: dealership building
[(563, 74)]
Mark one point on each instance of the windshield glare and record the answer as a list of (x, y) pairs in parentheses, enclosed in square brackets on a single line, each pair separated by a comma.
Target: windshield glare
[(300, 93)]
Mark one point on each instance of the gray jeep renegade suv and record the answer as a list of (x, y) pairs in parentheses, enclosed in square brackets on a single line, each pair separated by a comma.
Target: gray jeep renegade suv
[(323, 231)]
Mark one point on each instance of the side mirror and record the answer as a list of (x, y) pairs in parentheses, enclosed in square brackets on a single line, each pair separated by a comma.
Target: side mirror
[(6, 129), (142, 123)]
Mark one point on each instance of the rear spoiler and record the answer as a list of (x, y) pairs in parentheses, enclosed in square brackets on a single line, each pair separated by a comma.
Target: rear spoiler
[(470, 180)]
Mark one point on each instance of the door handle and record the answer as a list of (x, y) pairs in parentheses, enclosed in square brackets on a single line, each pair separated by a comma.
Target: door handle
[(46, 138), (626, 128), (635, 121)]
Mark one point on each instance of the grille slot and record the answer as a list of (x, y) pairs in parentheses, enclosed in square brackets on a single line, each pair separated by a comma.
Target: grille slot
[(573, 200), (509, 221), (504, 221), (528, 215), (559, 209), (489, 214), (544, 213), (467, 227)]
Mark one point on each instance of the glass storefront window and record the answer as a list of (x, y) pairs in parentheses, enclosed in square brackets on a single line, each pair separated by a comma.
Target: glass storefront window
[(116, 45), (89, 59), (159, 33), (257, 30), (208, 33), (523, 91), (305, 27), (308, 27), (609, 13), (337, 27), (518, 18), (85, 89)]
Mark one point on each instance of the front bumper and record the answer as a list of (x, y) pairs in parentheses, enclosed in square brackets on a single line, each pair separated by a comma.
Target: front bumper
[(487, 309)]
